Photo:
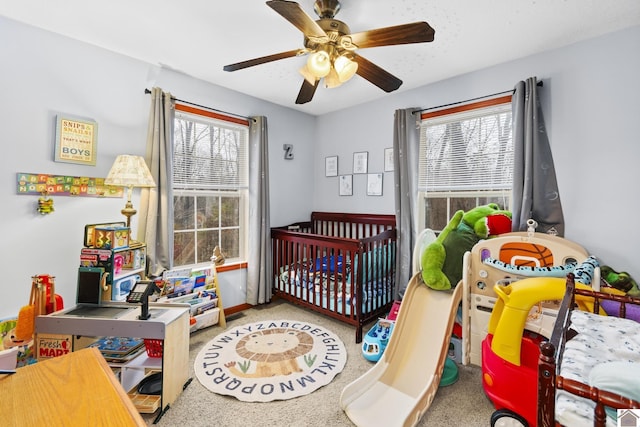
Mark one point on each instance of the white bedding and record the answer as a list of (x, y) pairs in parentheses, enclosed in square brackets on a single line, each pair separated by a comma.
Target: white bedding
[(600, 339)]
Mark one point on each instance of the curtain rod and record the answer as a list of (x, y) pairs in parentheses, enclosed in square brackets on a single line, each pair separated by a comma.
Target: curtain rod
[(469, 100), (147, 91)]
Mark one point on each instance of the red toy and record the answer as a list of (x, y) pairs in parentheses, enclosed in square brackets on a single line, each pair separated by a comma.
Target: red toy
[(510, 352), (53, 301), (512, 388)]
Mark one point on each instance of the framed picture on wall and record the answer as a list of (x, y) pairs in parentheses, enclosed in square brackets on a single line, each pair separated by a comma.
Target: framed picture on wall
[(76, 140), (331, 166), (374, 184), (346, 185), (360, 162), (388, 159)]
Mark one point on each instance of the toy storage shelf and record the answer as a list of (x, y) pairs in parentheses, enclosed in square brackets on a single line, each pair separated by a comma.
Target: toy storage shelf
[(134, 257), (132, 373), (125, 272), (168, 322), (213, 315)]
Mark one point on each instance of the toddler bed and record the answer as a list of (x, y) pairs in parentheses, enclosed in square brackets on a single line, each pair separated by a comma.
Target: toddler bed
[(339, 264), (587, 351)]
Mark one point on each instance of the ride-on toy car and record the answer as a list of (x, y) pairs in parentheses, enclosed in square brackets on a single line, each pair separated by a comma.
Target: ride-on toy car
[(510, 353)]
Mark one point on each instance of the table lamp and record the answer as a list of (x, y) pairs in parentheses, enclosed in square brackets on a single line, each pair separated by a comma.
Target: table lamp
[(129, 171)]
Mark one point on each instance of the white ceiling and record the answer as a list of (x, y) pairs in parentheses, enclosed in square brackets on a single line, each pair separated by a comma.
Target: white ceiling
[(199, 37)]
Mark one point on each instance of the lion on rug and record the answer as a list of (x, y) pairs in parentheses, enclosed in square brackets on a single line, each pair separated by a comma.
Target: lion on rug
[(275, 352)]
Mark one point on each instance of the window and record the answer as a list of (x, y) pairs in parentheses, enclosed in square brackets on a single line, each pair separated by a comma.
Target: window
[(210, 186), (466, 160)]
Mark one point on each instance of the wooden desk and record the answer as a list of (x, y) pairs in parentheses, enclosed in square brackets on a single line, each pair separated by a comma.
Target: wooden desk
[(78, 388)]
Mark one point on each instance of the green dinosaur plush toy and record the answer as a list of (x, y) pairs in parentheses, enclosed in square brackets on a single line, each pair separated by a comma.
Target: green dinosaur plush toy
[(441, 261), (620, 280)]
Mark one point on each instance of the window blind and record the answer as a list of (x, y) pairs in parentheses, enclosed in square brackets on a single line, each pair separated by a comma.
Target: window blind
[(209, 153), (467, 151)]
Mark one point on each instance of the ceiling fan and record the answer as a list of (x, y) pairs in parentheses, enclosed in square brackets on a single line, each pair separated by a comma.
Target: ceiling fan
[(331, 47)]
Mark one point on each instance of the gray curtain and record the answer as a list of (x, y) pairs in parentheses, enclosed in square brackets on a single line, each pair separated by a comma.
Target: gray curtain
[(406, 147), (259, 260), (156, 227), (535, 189)]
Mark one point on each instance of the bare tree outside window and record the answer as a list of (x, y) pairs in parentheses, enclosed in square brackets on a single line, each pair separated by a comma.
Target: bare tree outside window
[(209, 188)]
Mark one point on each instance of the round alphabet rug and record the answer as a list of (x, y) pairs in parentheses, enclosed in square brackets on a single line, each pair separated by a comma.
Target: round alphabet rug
[(270, 360)]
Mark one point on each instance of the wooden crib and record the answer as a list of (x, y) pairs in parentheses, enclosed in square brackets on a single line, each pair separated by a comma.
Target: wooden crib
[(342, 265)]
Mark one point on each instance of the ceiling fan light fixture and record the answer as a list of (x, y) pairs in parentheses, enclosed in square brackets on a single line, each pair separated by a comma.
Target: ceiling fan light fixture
[(319, 63), (331, 47), (332, 79), (345, 68), (308, 76)]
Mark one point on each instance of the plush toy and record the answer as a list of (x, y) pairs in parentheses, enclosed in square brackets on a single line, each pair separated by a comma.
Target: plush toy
[(441, 261), (584, 272), (620, 280)]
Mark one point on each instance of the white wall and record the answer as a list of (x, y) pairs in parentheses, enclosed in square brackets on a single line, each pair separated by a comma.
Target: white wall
[(43, 74), (589, 96), (591, 103)]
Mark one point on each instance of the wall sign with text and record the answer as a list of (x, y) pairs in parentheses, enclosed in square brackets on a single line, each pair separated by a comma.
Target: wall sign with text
[(76, 140)]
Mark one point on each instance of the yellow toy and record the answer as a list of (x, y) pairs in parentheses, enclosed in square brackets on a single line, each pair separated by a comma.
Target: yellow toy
[(515, 300)]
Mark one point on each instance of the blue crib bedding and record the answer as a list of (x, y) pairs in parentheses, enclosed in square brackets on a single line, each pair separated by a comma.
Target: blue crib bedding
[(317, 280), (320, 287), (326, 298)]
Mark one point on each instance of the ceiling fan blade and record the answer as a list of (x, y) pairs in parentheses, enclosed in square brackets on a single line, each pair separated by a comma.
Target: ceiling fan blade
[(292, 12), (307, 91), (262, 60), (376, 75), (417, 32)]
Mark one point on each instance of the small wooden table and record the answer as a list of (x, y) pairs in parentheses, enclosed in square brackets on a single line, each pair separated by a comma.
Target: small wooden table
[(78, 388)]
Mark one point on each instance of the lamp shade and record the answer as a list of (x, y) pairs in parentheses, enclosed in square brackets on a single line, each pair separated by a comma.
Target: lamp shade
[(345, 68), (307, 75), (319, 63), (130, 171), (332, 80)]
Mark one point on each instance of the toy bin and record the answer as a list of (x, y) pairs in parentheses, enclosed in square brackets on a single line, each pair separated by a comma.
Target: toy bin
[(153, 347)]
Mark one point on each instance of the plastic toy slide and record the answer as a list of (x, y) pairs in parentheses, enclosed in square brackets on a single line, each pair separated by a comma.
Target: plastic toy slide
[(399, 389)]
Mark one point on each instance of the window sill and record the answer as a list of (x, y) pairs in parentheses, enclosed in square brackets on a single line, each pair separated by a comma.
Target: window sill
[(232, 266)]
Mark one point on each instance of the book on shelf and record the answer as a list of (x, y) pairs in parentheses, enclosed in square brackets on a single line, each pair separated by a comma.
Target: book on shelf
[(123, 358), (118, 346)]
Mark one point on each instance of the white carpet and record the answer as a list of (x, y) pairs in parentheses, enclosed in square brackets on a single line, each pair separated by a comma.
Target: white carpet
[(270, 360)]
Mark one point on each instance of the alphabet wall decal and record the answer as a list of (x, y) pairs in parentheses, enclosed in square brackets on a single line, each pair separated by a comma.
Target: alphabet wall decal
[(288, 151), (64, 185)]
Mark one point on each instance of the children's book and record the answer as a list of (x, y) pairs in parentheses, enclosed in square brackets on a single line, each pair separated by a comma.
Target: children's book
[(122, 358), (118, 345)]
